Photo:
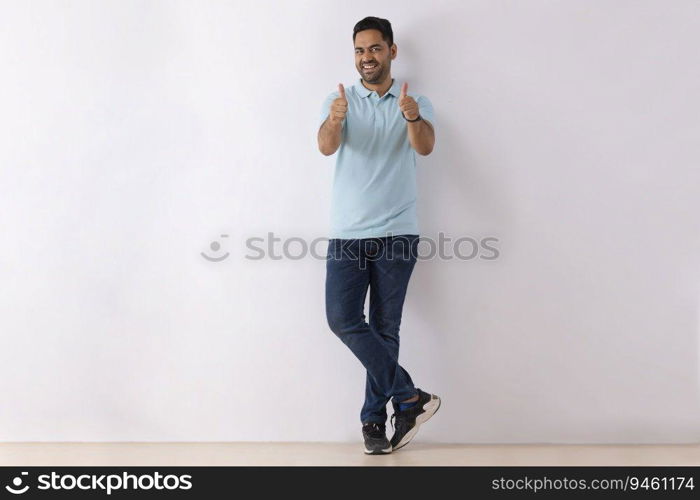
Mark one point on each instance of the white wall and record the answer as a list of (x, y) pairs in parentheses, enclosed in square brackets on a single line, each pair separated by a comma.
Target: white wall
[(134, 133)]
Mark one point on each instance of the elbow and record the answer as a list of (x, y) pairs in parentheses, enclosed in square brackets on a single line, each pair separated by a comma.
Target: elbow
[(423, 148), (327, 150)]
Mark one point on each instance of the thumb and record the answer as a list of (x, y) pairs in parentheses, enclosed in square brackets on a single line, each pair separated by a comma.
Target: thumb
[(341, 90), (404, 89)]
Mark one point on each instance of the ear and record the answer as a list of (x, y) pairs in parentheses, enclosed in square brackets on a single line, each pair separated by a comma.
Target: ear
[(394, 49)]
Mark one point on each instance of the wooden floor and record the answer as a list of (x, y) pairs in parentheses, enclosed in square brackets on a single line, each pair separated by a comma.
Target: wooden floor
[(247, 453)]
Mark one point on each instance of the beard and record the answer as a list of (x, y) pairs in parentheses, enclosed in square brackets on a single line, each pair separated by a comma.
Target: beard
[(376, 76)]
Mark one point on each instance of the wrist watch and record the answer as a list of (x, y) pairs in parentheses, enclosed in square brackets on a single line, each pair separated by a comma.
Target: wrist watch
[(415, 120)]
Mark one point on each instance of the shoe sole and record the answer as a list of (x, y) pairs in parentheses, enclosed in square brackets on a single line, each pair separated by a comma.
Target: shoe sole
[(385, 451), (431, 407)]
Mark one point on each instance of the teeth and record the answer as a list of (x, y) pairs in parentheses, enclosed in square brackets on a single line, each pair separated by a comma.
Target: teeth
[(367, 66)]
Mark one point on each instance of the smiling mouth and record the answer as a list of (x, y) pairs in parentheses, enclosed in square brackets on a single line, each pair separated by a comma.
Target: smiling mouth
[(369, 67)]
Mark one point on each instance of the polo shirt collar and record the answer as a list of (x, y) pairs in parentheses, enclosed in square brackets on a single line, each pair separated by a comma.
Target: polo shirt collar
[(363, 91)]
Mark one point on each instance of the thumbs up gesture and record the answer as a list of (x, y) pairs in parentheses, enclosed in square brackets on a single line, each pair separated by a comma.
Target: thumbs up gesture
[(407, 104), (339, 106)]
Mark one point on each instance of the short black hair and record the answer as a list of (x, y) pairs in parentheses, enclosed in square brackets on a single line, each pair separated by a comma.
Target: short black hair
[(375, 23)]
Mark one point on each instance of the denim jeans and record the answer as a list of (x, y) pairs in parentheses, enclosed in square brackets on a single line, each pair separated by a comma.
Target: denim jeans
[(384, 265)]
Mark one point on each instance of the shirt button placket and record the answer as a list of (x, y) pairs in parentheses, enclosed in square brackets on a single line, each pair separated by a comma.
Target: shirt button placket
[(378, 119)]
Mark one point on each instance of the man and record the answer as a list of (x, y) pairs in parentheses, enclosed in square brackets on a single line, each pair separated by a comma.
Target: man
[(377, 128)]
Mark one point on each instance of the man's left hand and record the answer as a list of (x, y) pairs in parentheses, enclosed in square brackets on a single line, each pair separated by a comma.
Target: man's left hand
[(407, 104)]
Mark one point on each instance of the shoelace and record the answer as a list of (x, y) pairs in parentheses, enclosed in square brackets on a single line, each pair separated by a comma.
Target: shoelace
[(375, 430)]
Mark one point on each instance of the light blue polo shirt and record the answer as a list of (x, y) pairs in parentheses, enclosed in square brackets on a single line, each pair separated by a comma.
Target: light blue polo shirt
[(374, 182)]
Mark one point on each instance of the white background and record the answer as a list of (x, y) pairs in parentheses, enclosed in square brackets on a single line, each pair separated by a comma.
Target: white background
[(135, 133)]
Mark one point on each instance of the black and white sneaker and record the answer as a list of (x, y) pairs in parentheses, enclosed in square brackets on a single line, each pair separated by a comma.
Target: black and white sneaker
[(409, 420), (376, 442)]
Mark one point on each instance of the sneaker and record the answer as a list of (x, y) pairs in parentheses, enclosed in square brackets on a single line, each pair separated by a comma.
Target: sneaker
[(376, 442), (409, 420)]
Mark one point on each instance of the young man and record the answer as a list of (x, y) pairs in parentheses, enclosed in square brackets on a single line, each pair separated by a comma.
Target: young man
[(377, 128)]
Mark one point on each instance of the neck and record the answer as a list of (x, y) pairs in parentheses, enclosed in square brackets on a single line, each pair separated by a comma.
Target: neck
[(380, 88)]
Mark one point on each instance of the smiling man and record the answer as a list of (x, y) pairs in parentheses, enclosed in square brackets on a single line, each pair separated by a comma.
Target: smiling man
[(377, 128)]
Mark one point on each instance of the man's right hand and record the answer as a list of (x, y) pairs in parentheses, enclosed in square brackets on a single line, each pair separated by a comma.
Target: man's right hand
[(339, 106), (330, 133)]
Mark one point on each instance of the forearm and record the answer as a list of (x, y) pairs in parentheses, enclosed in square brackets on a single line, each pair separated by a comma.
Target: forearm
[(421, 136), (329, 136)]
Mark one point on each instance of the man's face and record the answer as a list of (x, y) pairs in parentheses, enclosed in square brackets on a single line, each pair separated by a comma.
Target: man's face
[(373, 56)]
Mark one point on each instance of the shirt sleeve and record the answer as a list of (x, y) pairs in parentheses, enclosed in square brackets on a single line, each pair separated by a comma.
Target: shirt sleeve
[(326, 107), (425, 108)]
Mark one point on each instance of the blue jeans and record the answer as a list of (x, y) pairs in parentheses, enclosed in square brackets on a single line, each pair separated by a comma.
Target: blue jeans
[(384, 265)]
